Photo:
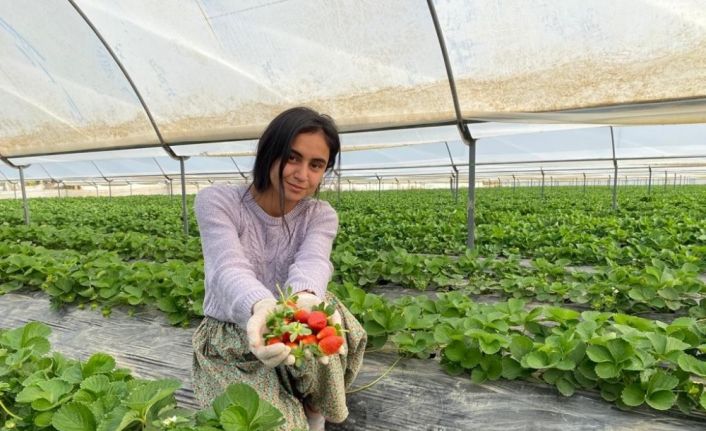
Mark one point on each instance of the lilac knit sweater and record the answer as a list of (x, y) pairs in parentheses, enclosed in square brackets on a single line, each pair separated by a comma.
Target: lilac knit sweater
[(246, 251)]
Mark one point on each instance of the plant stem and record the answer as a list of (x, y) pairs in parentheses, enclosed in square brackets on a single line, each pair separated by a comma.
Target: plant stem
[(8, 411), (364, 387)]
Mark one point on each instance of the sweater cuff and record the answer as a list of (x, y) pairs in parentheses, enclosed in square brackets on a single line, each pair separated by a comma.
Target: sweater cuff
[(243, 308), (311, 287)]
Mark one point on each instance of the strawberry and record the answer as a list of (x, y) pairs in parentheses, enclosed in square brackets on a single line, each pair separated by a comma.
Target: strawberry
[(301, 315), (308, 339), (317, 320), (326, 332), (330, 344), (291, 344), (272, 341)]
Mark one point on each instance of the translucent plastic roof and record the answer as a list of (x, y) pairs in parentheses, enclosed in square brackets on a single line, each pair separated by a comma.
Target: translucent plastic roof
[(415, 152), (217, 70)]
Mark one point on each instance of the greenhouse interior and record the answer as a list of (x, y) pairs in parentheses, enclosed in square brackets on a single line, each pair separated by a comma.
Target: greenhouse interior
[(520, 190)]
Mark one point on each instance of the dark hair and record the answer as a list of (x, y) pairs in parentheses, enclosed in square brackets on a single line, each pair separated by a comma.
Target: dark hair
[(276, 144)]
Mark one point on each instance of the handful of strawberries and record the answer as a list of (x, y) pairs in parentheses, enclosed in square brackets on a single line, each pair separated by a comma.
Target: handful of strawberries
[(308, 333)]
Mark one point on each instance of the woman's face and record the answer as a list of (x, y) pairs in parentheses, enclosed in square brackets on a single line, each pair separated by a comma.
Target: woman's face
[(305, 168)]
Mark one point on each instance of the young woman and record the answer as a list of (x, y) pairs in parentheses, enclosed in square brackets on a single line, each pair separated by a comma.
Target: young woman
[(254, 238)]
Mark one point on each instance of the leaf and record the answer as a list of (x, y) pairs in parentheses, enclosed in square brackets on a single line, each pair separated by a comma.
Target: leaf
[(599, 354), (235, 418), (661, 381), (520, 346), (478, 376), (99, 363), (663, 344), (692, 365), (267, 416), (633, 395), (148, 394), (119, 419), (563, 314), (536, 360), (607, 370), (566, 388), (511, 368), (619, 349), (455, 351), (97, 384), (74, 417), (661, 400)]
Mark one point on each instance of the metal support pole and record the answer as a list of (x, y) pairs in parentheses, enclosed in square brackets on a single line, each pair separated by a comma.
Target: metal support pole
[(471, 204), (675, 180), (338, 182), (462, 128), (398, 183), (615, 171), (514, 182), (184, 213), (350, 186), (649, 181), (665, 180), (542, 171), (455, 173), (379, 184), (25, 204), (584, 183)]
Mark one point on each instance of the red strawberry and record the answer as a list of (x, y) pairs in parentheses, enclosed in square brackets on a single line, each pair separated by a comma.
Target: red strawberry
[(326, 332), (301, 315), (317, 320), (272, 341), (331, 344), (308, 339), (291, 344)]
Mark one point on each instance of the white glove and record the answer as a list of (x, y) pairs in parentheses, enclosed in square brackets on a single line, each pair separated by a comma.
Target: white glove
[(308, 301), (275, 354)]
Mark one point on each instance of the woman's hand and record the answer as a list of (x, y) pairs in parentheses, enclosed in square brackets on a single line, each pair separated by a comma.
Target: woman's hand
[(275, 354), (308, 301)]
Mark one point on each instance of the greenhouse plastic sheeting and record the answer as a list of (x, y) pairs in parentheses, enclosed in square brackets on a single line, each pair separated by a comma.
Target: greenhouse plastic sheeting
[(411, 152), (216, 70), (515, 58)]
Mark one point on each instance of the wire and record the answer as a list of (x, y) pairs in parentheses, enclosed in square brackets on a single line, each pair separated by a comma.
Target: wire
[(371, 384)]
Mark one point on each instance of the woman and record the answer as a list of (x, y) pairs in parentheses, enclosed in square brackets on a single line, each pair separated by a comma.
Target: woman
[(255, 238)]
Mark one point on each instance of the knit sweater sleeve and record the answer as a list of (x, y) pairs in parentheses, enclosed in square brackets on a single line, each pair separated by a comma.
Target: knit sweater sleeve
[(312, 268), (231, 285)]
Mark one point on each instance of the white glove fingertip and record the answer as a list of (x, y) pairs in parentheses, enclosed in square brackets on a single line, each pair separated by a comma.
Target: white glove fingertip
[(290, 360), (324, 360), (343, 350)]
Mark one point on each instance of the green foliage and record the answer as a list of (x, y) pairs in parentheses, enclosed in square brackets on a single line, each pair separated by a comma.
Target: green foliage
[(38, 391)]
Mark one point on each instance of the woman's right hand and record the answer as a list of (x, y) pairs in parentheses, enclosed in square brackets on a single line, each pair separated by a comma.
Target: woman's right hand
[(275, 354)]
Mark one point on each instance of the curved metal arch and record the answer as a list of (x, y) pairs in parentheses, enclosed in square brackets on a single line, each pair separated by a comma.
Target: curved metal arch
[(117, 61)]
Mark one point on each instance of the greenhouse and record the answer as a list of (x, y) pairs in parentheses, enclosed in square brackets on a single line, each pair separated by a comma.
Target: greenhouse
[(520, 196)]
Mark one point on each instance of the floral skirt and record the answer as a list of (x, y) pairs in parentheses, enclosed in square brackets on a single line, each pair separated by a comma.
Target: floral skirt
[(222, 357)]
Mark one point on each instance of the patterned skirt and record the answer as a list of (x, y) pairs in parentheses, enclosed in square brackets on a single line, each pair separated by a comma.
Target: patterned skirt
[(222, 357)]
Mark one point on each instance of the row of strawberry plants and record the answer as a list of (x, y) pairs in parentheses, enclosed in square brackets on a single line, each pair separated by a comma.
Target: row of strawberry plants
[(629, 360), (655, 288), (129, 245), (40, 389), (101, 278), (568, 224), (153, 215)]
